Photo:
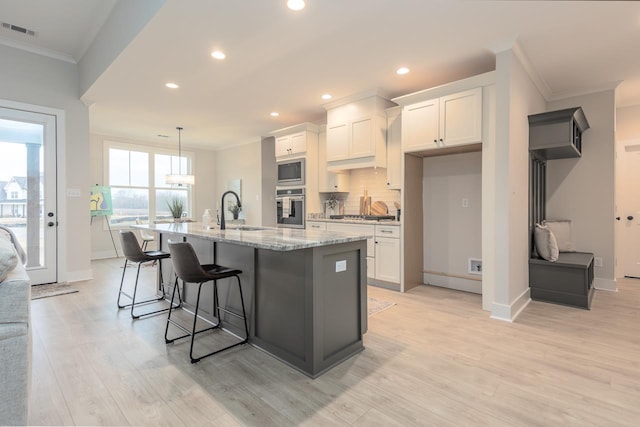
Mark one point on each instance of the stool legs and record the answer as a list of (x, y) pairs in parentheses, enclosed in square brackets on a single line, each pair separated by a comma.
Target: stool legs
[(216, 312), (135, 290)]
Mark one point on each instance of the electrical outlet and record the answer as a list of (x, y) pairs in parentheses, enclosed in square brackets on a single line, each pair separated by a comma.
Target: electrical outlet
[(597, 261), (465, 203)]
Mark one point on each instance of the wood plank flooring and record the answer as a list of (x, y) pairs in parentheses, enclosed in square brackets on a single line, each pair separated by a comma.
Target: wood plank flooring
[(434, 359)]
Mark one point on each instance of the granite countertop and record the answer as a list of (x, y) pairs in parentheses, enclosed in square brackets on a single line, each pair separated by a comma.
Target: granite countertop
[(277, 239), (358, 221)]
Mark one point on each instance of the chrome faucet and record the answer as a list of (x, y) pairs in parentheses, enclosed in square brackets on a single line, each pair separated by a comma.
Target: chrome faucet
[(222, 224)]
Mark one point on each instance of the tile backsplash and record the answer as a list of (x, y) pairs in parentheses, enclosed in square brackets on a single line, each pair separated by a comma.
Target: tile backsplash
[(375, 181)]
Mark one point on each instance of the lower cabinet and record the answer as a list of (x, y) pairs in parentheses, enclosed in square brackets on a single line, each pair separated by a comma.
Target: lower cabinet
[(387, 241)]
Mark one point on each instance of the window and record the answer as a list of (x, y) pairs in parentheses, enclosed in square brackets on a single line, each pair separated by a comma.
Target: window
[(136, 176), (14, 195)]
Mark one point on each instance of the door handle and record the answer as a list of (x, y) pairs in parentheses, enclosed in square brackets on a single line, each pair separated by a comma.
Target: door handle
[(630, 217), (51, 223), (50, 214)]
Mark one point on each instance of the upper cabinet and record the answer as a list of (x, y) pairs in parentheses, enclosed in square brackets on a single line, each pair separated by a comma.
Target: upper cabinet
[(557, 134), (329, 182), (356, 133), (447, 121), (293, 141), (394, 148)]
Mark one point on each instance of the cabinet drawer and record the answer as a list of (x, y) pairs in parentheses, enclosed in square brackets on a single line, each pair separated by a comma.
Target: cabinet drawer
[(388, 231)]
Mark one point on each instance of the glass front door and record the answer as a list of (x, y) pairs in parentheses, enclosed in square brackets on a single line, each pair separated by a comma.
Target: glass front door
[(28, 187)]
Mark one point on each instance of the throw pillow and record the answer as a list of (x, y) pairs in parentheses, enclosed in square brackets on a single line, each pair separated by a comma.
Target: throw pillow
[(562, 230), (546, 244), (8, 258)]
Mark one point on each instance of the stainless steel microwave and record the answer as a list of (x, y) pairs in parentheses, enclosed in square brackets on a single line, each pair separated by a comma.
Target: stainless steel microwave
[(291, 172)]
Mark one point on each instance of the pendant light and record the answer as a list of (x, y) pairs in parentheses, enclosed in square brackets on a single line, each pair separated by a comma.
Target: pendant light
[(179, 179)]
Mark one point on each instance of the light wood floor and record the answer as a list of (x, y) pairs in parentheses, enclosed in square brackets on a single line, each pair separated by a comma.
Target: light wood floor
[(434, 359)]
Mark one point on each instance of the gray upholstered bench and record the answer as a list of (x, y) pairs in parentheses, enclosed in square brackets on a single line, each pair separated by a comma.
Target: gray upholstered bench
[(567, 281)]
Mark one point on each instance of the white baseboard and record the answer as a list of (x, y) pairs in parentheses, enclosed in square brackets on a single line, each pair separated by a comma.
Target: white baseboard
[(104, 255), (509, 313), (450, 282), (605, 284), (78, 276)]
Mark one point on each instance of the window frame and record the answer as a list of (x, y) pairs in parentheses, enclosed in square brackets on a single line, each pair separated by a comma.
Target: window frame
[(151, 188)]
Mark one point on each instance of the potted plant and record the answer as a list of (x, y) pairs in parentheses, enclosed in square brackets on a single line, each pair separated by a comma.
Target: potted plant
[(235, 210), (176, 206)]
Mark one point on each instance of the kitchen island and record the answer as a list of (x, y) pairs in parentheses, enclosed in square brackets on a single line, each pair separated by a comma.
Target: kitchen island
[(305, 291)]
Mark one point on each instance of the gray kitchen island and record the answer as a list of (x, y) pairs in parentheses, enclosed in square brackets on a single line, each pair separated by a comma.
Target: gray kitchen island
[(305, 290)]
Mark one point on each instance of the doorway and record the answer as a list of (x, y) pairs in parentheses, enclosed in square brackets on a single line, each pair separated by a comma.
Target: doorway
[(628, 208), (28, 198)]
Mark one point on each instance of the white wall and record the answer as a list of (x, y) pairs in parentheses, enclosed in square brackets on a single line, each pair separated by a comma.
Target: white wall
[(516, 98), (627, 188), (204, 194), (375, 181), (582, 190), (42, 81), (243, 162), (452, 232)]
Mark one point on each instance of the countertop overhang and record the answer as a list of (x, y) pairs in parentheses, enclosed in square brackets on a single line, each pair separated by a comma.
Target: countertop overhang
[(277, 239)]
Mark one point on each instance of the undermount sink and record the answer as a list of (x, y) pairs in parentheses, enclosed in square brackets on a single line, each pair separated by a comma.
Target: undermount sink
[(246, 228)]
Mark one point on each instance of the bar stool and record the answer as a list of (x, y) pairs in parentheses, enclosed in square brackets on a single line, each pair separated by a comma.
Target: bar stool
[(146, 236), (189, 270), (133, 253)]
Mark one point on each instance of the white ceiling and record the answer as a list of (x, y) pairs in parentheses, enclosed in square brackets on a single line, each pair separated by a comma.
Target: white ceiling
[(283, 61)]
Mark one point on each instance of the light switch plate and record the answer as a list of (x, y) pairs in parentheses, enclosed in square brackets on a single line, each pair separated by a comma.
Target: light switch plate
[(73, 192)]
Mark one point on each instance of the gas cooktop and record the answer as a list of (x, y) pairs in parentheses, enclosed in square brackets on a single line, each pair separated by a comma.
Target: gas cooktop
[(364, 217)]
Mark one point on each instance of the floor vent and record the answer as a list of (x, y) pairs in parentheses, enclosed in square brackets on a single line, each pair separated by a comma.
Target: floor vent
[(19, 29)]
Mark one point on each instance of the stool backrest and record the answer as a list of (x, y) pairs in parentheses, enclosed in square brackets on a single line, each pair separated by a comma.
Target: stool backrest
[(131, 247), (186, 264)]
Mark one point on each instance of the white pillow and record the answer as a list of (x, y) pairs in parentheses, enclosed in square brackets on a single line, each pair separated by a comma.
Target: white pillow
[(562, 230), (546, 244), (8, 258)]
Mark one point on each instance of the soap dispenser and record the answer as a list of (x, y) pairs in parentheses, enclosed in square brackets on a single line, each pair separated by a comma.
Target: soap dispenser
[(206, 219)]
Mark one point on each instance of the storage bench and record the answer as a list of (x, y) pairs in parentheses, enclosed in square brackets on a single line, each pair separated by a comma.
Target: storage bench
[(567, 281)]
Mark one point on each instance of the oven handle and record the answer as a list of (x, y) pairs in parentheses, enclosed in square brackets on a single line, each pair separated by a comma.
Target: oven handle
[(294, 198)]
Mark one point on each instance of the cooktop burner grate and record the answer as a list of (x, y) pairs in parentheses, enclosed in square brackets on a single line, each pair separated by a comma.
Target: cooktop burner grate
[(364, 217)]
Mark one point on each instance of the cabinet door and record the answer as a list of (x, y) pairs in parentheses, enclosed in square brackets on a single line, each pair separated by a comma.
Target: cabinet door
[(283, 144), (387, 259), (337, 142), (461, 118), (362, 138), (394, 154), (420, 125), (339, 181), (298, 143)]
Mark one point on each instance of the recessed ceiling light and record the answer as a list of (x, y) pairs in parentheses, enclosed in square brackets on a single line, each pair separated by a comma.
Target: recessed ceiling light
[(402, 70), (326, 96), (295, 4), (274, 114), (218, 54), (172, 86)]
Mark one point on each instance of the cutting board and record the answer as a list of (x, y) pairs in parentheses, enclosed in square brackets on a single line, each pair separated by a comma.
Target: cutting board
[(379, 208), (365, 205)]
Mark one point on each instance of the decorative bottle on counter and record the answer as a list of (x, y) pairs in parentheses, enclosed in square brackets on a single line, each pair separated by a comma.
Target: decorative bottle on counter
[(206, 219)]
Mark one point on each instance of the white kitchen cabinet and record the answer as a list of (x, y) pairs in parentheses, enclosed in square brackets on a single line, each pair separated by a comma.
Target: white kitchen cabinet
[(291, 145), (356, 133), (447, 121), (387, 248), (394, 148), (388, 259), (294, 141), (316, 225), (330, 182)]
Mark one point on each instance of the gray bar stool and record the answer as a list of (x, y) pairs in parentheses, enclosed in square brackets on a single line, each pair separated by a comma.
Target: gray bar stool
[(133, 253), (189, 270)]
